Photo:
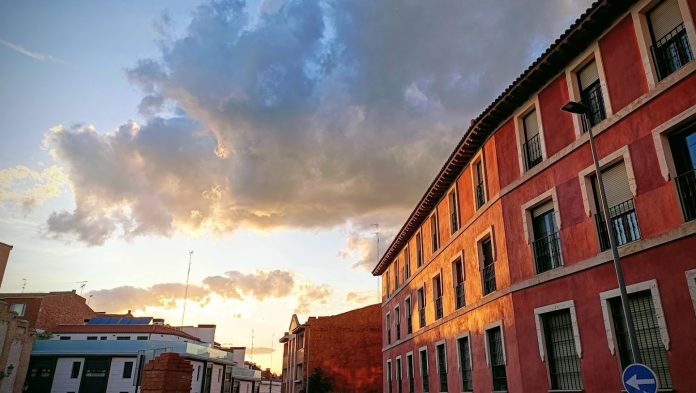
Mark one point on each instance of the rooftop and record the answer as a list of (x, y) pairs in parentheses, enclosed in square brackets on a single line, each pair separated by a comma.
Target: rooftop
[(154, 329)]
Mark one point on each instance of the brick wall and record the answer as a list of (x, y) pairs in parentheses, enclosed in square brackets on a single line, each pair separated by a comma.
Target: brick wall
[(47, 310), (347, 347), (4, 256), (167, 373)]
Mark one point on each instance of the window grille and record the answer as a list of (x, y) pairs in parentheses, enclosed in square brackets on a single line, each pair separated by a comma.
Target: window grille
[(561, 355), (465, 364), (497, 359)]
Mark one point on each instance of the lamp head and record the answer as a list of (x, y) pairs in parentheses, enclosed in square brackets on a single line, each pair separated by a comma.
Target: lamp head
[(575, 107)]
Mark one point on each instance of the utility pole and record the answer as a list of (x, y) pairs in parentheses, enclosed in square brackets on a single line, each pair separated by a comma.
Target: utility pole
[(188, 275), (24, 284)]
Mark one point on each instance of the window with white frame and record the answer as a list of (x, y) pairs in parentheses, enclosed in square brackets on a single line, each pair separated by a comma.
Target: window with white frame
[(591, 93), (546, 242), (495, 352), (396, 274), (397, 321), (425, 380), (411, 378), (531, 144), (670, 47), (419, 249), (389, 376), (408, 310), (559, 345), (19, 308), (437, 296), (479, 182), (388, 328), (441, 351), (407, 263), (453, 210), (399, 378), (434, 232), (465, 363)]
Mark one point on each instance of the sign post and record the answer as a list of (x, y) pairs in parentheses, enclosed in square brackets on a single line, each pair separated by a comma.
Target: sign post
[(639, 378)]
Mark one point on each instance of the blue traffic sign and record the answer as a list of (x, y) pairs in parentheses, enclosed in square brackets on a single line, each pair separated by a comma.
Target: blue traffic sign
[(639, 378)]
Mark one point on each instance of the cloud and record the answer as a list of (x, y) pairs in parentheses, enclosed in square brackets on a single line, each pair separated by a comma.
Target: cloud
[(259, 285), (132, 298), (310, 114), (363, 297), (31, 54), (311, 295), (28, 187)]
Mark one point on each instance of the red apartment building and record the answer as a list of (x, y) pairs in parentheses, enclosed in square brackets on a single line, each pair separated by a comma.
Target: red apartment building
[(49, 309), (500, 279), (346, 347)]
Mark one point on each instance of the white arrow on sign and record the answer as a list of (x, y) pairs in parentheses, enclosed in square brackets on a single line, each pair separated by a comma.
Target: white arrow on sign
[(635, 383)]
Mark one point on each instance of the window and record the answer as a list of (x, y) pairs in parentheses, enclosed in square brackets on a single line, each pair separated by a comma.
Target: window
[(458, 280), (397, 321), (396, 274), (411, 382), (622, 212), (123, 338), (388, 325), (388, 284), (389, 376), (437, 296), (219, 374), (75, 372), (409, 315), (19, 308), (127, 369), (496, 357), (424, 370), (591, 93), (465, 363), (91, 338), (488, 272), (453, 211), (562, 357), (198, 373), (442, 366), (300, 341), (64, 338), (141, 338), (531, 147), (419, 249), (670, 45), (434, 232), (421, 307), (479, 186), (399, 381), (683, 147), (407, 263), (546, 245), (650, 343), (102, 338)]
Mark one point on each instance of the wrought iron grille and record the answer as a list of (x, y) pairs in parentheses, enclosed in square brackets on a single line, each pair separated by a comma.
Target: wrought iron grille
[(488, 279), (671, 52), (624, 221), (650, 344), (547, 252), (495, 348), (459, 295), (421, 317), (424, 371), (532, 151), (564, 365), (438, 307), (592, 97), (480, 195), (442, 368), (389, 377), (465, 361), (388, 333), (411, 382), (686, 187)]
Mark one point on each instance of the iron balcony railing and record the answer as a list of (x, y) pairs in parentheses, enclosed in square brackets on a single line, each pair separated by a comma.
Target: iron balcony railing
[(421, 317), (438, 307), (671, 52), (547, 252), (480, 195), (532, 151), (443, 380), (488, 279), (592, 97), (624, 221), (459, 295), (686, 187)]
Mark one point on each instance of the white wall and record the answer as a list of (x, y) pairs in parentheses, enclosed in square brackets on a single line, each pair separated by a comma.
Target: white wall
[(216, 379), (245, 387), (132, 336), (62, 383), (117, 383), (197, 377)]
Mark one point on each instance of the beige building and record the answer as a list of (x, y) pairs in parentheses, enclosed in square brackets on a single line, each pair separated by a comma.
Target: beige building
[(16, 339)]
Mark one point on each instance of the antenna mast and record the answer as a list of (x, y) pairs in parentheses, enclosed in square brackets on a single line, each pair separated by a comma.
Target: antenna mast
[(379, 294), (24, 284), (188, 275)]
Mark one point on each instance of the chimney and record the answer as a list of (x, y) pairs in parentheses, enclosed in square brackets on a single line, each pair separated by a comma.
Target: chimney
[(158, 321)]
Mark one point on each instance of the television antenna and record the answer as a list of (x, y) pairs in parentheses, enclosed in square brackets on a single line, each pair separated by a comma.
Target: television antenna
[(83, 284), (188, 275)]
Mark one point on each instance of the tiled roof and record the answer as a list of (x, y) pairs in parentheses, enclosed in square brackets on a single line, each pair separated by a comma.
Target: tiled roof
[(587, 28), (104, 329)]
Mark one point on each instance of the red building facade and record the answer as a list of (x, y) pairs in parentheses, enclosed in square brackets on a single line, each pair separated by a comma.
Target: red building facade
[(345, 347), (501, 278)]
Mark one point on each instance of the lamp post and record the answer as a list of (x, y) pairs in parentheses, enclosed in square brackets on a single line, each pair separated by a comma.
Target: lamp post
[(582, 109)]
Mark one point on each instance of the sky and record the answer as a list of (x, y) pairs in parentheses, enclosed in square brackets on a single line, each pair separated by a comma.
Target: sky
[(275, 139)]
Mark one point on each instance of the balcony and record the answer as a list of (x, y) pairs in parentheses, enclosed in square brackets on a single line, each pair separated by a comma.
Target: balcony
[(624, 221), (593, 99), (459, 295), (671, 52), (480, 195), (532, 151), (686, 187), (547, 252), (488, 279), (438, 307), (421, 317)]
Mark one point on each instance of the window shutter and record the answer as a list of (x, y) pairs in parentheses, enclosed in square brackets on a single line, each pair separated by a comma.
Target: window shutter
[(664, 18), (588, 75), (531, 125), (616, 184), (543, 208)]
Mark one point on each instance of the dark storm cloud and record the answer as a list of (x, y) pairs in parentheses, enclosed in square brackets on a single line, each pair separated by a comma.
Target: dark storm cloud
[(311, 115)]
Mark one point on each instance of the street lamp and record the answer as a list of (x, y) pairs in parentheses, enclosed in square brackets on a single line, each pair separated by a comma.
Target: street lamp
[(582, 110)]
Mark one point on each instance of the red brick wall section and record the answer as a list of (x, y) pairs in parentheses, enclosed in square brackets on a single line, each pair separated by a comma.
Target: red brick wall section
[(348, 349), (63, 309), (4, 256), (167, 373)]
